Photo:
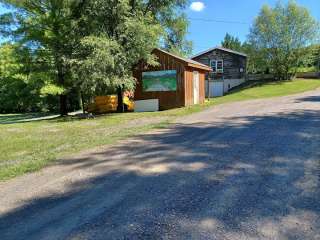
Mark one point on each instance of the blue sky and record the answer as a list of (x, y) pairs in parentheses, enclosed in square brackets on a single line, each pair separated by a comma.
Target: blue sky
[(206, 34), (209, 34)]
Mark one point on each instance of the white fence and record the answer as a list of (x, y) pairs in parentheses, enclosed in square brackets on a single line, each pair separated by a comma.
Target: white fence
[(220, 87), (214, 88)]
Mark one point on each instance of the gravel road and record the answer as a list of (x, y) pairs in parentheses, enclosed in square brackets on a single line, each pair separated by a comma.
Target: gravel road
[(247, 170)]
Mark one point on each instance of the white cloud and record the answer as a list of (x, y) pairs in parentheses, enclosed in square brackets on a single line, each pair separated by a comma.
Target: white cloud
[(197, 6)]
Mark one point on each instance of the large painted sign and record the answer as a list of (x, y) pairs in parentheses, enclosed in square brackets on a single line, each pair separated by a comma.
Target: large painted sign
[(159, 81)]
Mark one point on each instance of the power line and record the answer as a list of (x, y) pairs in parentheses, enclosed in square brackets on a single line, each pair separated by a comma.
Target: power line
[(218, 21)]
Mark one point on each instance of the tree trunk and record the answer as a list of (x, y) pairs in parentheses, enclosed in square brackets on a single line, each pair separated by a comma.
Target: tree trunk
[(80, 101), (120, 107), (63, 105), (63, 97)]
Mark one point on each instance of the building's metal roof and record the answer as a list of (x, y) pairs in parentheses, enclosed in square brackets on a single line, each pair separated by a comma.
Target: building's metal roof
[(186, 60), (222, 49)]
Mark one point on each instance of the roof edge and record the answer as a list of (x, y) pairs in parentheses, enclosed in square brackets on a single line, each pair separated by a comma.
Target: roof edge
[(189, 62), (219, 48)]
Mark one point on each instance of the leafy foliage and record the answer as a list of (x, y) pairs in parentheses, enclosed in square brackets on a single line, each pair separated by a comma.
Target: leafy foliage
[(231, 42), (17, 90), (175, 41), (108, 55), (50, 27), (280, 35), (51, 89), (255, 60), (93, 45)]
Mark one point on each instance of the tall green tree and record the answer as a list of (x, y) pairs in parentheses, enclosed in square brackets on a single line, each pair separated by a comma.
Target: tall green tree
[(13, 80), (95, 43), (116, 38), (50, 26), (170, 15), (25, 84), (120, 34), (231, 42), (256, 61), (311, 60), (280, 35), (315, 56)]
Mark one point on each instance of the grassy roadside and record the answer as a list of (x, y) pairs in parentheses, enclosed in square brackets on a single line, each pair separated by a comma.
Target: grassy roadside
[(271, 89), (29, 146)]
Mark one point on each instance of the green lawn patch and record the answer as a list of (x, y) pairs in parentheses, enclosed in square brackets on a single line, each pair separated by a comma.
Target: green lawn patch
[(269, 89), (29, 146)]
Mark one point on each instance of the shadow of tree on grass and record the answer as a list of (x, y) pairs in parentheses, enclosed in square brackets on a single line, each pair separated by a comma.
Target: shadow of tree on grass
[(26, 117)]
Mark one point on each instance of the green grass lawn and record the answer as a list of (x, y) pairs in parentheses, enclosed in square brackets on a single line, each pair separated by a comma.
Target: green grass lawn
[(267, 90), (29, 146)]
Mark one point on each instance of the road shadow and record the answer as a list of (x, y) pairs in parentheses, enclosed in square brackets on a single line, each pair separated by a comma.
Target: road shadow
[(309, 99), (248, 177)]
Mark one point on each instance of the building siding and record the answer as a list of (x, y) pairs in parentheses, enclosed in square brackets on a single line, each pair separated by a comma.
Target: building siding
[(183, 96), (231, 64), (189, 93)]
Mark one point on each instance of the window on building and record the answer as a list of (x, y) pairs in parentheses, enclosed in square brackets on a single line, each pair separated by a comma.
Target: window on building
[(213, 65), (217, 66), (220, 66)]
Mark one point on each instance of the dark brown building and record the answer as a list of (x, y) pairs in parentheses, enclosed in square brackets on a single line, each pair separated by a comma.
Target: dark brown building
[(176, 82), (228, 69)]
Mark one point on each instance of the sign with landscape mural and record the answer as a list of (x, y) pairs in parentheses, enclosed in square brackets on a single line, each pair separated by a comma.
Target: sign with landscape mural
[(159, 81)]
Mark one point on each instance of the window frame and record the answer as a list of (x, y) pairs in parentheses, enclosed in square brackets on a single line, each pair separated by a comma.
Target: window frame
[(216, 66), (221, 70)]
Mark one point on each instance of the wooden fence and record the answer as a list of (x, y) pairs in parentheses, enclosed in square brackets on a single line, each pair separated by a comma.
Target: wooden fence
[(308, 75), (259, 77), (265, 77)]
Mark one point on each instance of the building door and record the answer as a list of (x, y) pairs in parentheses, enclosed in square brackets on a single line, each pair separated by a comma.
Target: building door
[(196, 88)]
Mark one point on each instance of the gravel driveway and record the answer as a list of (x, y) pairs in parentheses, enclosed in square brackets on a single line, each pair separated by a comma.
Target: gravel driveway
[(247, 170)]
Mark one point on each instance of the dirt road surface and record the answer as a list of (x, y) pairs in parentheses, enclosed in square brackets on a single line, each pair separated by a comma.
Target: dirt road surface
[(247, 170)]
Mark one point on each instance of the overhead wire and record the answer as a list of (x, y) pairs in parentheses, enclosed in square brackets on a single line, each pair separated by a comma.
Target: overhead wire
[(218, 21)]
